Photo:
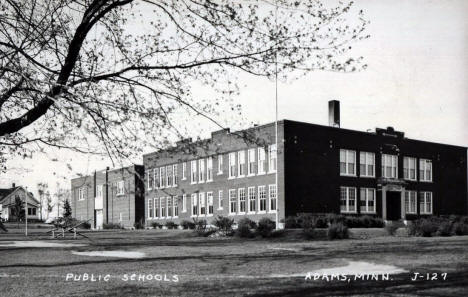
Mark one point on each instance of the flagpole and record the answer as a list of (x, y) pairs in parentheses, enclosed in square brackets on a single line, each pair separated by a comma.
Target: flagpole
[(276, 118), (26, 213)]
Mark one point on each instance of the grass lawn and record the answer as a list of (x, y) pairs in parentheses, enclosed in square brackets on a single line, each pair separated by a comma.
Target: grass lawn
[(227, 267)]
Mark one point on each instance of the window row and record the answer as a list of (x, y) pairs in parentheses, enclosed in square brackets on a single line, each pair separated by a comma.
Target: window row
[(425, 202), (162, 177), (163, 207), (252, 200), (240, 164), (389, 166), (348, 200)]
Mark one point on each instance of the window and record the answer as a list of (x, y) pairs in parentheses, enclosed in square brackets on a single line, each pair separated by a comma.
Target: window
[(367, 164), (242, 200), (425, 202), (169, 206), (272, 158), (194, 205), (157, 183), (261, 160), (232, 201), (156, 207), (162, 176), (209, 169), (348, 199), (184, 203), (120, 217), (175, 178), (261, 199), (220, 199), (410, 202), (163, 207), (347, 162), (272, 196), (252, 202), (241, 163), (150, 180), (389, 166), (175, 202), (82, 193), (209, 202), (202, 204), (409, 168), (232, 165), (367, 200), (425, 170), (150, 208), (120, 188), (251, 168), (193, 171), (99, 191), (220, 164), (201, 170), (31, 211), (169, 176), (184, 171)]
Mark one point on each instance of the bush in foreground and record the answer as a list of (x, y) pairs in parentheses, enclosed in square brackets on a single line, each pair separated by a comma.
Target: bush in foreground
[(111, 226), (187, 224), (445, 229), (265, 227), (337, 231), (460, 228), (171, 225), (156, 225), (224, 224), (244, 228)]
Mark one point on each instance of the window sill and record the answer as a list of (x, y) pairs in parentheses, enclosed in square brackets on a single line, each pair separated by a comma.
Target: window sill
[(220, 173), (367, 176), (348, 211), (261, 212), (425, 181), (241, 176), (250, 175), (209, 181), (209, 215), (271, 172), (261, 173), (410, 179), (348, 175), (231, 177), (232, 214), (367, 212)]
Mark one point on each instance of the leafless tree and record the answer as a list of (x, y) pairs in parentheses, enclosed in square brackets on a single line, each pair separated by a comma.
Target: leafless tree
[(111, 76), (42, 188)]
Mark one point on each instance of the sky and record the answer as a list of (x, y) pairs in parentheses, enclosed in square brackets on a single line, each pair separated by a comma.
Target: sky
[(416, 81)]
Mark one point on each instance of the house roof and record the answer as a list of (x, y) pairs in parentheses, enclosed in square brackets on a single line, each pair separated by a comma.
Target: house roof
[(5, 193)]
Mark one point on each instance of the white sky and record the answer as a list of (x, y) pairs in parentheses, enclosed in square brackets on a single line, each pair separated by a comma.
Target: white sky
[(416, 81)]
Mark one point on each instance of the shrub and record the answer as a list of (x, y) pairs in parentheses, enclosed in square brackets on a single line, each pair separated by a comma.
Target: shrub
[(200, 226), (460, 228), (224, 224), (320, 222), (111, 226), (291, 222), (139, 225), (206, 232), (308, 226), (445, 229), (187, 224), (265, 227), (335, 218), (427, 227), (391, 229), (171, 225), (337, 231), (156, 225), (244, 228), (85, 225)]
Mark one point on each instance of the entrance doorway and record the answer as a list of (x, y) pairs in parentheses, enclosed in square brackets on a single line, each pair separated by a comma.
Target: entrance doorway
[(393, 205), (99, 219)]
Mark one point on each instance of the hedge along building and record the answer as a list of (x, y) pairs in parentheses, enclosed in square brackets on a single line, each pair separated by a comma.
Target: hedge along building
[(321, 169), (109, 196)]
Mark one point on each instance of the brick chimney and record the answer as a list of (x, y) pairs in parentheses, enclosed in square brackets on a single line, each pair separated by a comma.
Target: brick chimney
[(334, 113)]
